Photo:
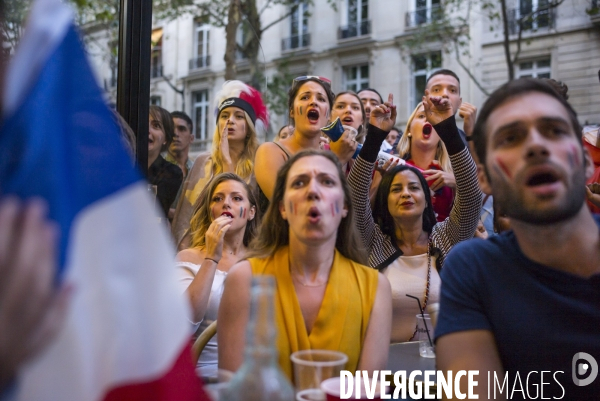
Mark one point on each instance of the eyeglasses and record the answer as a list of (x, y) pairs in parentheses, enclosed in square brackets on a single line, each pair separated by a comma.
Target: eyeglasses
[(307, 77)]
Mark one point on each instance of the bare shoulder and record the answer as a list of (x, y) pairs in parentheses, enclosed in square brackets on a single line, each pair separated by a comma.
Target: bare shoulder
[(192, 255), (269, 152), (383, 285), (240, 273)]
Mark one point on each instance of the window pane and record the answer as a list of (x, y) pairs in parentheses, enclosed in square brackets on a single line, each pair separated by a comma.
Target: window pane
[(420, 62), (543, 63), (544, 75), (365, 10), (364, 72), (436, 60), (419, 88), (526, 66)]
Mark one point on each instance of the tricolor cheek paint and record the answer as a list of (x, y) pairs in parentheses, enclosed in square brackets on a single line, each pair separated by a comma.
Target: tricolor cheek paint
[(503, 168)]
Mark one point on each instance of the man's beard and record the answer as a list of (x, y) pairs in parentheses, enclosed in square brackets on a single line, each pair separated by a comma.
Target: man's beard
[(513, 204)]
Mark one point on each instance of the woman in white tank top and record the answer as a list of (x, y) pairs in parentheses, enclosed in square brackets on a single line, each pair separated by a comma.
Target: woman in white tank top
[(222, 227)]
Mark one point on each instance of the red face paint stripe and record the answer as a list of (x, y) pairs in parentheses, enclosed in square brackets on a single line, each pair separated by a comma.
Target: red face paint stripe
[(332, 210), (503, 167)]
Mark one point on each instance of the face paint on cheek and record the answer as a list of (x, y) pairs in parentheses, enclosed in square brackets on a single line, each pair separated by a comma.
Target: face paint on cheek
[(573, 157), (503, 168), (300, 110), (242, 212), (292, 208)]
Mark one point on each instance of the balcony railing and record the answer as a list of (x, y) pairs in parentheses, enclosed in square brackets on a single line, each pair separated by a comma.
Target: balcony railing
[(423, 16), (156, 71), (543, 19), (355, 29), (295, 42), (199, 63)]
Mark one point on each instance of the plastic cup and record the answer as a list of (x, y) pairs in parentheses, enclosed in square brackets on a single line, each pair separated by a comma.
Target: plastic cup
[(331, 388), (426, 348), (214, 390), (311, 368)]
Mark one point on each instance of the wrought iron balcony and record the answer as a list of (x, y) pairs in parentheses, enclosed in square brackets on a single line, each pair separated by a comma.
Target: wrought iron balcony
[(295, 42), (199, 63), (355, 29), (423, 16), (542, 19)]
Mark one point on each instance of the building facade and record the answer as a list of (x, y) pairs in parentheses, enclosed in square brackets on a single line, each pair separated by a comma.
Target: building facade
[(359, 44)]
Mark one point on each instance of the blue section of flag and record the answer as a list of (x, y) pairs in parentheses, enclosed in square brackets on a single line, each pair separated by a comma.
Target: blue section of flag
[(62, 144)]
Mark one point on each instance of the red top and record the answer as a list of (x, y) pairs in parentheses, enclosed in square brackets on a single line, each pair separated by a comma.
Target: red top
[(443, 198)]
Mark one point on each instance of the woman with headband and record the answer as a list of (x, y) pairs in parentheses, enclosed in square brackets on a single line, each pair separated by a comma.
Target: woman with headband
[(241, 116)]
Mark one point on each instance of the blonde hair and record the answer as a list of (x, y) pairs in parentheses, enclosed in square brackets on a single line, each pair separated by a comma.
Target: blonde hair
[(245, 165), (405, 149)]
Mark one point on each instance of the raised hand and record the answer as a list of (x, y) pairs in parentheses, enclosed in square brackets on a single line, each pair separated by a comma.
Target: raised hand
[(344, 147), (593, 193), (32, 308), (437, 108), (468, 113), (224, 148), (384, 115), (215, 236)]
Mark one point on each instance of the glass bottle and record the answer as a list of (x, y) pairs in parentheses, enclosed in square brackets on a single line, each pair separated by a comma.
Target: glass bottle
[(260, 377)]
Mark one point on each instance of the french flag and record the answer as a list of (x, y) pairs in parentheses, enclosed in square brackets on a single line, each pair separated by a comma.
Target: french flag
[(127, 334)]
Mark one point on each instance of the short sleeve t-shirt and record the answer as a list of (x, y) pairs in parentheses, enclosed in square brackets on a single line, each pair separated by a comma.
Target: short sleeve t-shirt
[(540, 317)]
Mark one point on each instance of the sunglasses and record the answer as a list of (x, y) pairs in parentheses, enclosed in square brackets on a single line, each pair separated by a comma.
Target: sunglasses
[(318, 78)]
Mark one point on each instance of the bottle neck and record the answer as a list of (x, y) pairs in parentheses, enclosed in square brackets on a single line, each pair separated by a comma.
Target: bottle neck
[(261, 333)]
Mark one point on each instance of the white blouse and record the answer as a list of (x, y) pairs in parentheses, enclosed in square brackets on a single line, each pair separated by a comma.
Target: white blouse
[(207, 364), (408, 275)]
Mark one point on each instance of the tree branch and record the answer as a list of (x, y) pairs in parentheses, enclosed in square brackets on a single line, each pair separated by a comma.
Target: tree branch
[(466, 69), (280, 19)]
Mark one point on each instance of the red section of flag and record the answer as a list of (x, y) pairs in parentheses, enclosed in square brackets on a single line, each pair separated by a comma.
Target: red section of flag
[(180, 383)]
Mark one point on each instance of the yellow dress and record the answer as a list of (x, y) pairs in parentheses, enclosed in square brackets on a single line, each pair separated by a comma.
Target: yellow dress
[(342, 321)]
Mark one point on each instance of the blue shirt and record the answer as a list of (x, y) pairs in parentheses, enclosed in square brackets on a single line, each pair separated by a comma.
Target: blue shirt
[(540, 317)]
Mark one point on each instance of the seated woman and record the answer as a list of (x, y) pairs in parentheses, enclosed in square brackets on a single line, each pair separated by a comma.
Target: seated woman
[(325, 299), (222, 227), (422, 147), (404, 240), (309, 103), (241, 116), (166, 176)]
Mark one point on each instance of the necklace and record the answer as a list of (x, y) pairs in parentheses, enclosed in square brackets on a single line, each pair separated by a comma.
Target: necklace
[(426, 298), (306, 284)]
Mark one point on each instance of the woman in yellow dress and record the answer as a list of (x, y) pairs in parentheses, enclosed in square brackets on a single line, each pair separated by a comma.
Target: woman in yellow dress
[(325, 297)]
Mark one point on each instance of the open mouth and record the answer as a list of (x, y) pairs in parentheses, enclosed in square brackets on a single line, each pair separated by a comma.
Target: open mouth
[(227, 214), (427, 128), (313, 115), (542, 179), (348, 120), (314, 215)]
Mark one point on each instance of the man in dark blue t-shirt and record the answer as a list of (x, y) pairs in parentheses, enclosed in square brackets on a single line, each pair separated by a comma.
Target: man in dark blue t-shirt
[(523, 308)]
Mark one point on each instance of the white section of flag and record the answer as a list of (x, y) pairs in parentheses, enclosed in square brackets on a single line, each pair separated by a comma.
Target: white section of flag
[(128, 320)]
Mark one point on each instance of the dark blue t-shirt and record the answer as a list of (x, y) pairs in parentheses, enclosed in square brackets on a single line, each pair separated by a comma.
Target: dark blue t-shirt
[(540, 317)]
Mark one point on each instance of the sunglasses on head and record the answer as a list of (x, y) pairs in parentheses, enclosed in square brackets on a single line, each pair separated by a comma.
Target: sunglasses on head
[(307, 77)]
